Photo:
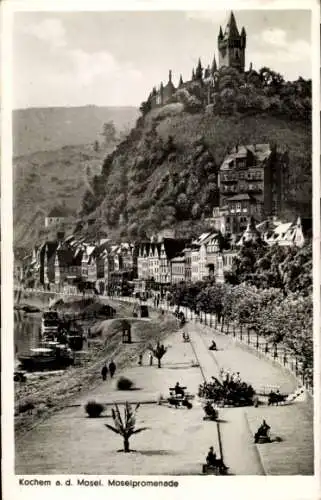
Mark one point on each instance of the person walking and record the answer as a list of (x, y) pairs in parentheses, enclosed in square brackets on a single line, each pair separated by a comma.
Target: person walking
[(104, 372), (112, 368)]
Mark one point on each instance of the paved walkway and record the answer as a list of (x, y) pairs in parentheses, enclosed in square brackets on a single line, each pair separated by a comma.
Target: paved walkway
[(177, 440), (176, 443), (239, 453), (293, 423)]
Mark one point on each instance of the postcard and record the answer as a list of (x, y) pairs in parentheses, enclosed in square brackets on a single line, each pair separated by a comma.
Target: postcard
[(161, 249)]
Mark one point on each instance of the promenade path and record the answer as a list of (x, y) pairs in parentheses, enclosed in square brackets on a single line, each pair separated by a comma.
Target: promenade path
[(178, 439), (293, 423), (176, 443)]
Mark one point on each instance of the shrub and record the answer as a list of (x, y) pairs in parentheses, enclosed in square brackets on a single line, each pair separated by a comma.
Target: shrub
[(124, 384), (94, 409)]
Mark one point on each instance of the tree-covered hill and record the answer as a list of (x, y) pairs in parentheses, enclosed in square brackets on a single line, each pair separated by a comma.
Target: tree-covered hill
[(165, 172)]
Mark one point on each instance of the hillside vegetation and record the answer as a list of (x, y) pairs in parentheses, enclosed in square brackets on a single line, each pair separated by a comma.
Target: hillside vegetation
[(43, 129), (165, 173), (48, 179)]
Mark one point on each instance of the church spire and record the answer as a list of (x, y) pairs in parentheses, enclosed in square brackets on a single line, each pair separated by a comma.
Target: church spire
[(193, 74), (180, 81), (220, 36), (170, 76)]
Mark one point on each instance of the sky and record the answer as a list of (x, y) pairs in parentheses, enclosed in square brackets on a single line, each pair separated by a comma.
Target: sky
[(115, 58)]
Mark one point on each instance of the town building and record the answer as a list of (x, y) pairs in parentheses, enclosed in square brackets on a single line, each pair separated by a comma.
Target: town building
[(250, 183), (154, 260), (290, 233), (178, 268), (188, 263)]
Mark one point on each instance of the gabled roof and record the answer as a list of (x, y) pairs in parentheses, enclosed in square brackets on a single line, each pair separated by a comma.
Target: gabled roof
[(260, 151), (201, 238)]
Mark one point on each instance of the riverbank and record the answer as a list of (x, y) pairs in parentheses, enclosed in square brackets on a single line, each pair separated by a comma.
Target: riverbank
[(40, 397), (176, 440)]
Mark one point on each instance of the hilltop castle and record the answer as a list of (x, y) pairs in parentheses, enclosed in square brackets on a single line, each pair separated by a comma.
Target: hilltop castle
[(231, 52)]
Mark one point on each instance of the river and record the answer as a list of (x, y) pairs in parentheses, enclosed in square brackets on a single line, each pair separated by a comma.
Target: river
[(26, 331)]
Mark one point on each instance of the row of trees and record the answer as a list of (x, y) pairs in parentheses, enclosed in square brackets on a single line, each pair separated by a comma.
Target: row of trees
[(250, 92), (286, 268), (280, 314)]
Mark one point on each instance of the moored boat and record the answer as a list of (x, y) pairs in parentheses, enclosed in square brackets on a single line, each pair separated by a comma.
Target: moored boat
[(51, 355)]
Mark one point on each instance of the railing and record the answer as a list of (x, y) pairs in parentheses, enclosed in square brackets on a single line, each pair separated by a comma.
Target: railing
[(276, 353)]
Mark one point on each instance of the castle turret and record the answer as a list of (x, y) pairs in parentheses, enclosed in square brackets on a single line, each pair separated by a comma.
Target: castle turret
[(232, 46), (243, 38), (160, 95), (199, 71), (169, 89), (214, 66)]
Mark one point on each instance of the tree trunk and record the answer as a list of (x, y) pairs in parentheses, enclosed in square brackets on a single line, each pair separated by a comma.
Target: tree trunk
[(126, 444), (159, 362)]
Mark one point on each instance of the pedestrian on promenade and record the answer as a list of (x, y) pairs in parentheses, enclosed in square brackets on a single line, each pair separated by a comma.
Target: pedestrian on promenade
[(112, 368), (140, 359), (104, 372)]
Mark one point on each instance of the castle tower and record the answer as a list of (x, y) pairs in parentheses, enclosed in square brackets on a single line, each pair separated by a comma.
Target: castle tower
[(231, 46)]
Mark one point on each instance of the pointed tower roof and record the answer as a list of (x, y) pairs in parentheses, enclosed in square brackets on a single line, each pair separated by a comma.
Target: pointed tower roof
[(231, 30), (199, 69), (220, 35), (243, 32), (180, 80), (214, 66)]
